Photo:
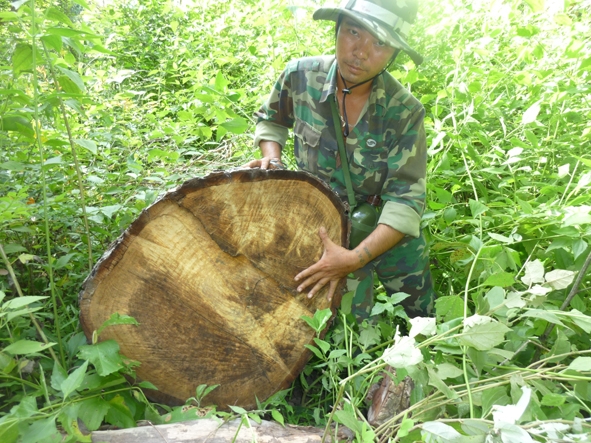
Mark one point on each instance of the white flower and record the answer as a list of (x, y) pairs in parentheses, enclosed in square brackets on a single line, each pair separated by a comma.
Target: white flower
[(403, 353), (422, 325)]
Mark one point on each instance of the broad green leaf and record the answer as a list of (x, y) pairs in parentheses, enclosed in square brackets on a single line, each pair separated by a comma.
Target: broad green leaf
[(512, 413), (8, 16), (349, 419), (436, 382), (511, 433), (119, 414), (319, 321), (67, 32), (9, 429), (44, 431), (530, 115), (422, 326), (89, 145), (16, 4), (238, 409), (75, 79), (477, 208), (578, 318), (324, 346), (104, 356), (581, 364), (53, 42), (277, 417), (447, 370), (405, 427), (25, 347), (58, 375), (449, 307), (117, 319), (147, 385), (220, 82), (53, 161), (19, 124), (110, 210), (63, 261), (236, 126), (315, 351), (56, 15), (579, 247), (25, 258), (484, 336), (559, 278), (475, 427), (545, 315), (534, 273), (22, 58), (19, 302), (502, 279), (74, 380), (82, 3), (13, 166), (553, 400), (500, 238), (442, 431), (494, 396), (92, 412)]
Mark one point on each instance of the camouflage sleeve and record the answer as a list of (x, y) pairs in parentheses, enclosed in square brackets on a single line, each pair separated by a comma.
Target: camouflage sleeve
[(404, 188), (275, 116)]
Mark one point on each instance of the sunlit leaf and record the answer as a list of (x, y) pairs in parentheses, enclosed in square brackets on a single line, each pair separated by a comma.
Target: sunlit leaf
[(89, 145), (26, 347), (22, 58), (104, 356), (531, 113), (559, 278), (484, 336), (534, 273), (74, 380)]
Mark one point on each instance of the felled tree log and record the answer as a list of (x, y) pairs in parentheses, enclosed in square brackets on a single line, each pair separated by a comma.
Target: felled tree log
[(216, 431), (208, 272)]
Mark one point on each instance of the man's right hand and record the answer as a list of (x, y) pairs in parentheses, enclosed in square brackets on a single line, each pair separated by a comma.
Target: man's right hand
[(265, 163)]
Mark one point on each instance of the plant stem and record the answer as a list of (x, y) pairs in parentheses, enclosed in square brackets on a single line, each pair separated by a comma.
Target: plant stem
[(56, 319), (20, 294), (74, 156), (573, 291), (465, 348)]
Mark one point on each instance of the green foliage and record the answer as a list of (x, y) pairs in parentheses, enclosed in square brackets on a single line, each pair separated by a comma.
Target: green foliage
[(102, 108)]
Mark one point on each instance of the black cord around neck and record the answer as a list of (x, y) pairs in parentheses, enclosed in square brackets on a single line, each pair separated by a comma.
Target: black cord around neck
[(346, 91)]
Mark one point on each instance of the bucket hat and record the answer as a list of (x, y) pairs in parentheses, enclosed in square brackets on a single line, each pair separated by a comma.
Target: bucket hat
[(387, 20)]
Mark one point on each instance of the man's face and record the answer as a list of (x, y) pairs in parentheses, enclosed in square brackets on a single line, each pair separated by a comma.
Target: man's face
[(360, 55)]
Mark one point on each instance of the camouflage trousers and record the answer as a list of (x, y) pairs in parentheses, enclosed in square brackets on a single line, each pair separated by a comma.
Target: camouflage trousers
[(404, 268)]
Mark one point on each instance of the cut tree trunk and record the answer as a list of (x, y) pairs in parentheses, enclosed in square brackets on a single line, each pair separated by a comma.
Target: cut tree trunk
[(208, 272)]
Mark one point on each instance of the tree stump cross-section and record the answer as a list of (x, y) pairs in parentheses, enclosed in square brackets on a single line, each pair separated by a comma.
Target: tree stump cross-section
[(208, 272)]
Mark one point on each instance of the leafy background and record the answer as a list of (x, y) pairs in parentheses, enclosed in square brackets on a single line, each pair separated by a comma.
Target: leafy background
[(106, 105)]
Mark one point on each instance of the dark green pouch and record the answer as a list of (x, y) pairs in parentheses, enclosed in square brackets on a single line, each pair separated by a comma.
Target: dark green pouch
[(364, 219)]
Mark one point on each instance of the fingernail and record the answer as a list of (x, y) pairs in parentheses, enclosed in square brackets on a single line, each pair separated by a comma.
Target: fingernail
[(299, 289), (309, 295)]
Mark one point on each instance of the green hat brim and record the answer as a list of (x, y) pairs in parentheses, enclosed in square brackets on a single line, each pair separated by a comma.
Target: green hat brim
[(392, 39)]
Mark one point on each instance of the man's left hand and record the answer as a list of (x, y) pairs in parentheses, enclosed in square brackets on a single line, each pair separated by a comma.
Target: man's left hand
[(336, 263)]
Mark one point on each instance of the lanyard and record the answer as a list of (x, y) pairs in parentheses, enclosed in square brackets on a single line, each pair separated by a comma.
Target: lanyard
[(343, 154)]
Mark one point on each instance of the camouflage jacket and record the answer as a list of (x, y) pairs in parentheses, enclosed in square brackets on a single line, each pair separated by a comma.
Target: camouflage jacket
[(386, 148)]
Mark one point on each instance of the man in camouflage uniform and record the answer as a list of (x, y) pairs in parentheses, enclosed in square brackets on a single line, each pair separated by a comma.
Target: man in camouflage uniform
[(385, 142)]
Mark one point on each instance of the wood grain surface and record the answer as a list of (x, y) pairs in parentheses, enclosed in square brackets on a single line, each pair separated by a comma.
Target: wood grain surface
[(207, 271)]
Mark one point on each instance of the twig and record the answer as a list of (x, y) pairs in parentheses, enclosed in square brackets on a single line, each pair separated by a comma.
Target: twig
[(20, 294), (571, 294)]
